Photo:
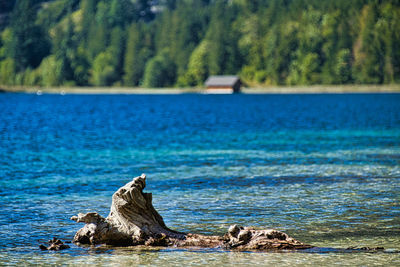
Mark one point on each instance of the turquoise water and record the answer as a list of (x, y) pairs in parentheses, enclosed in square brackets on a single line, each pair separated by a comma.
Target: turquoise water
[(323, 168)]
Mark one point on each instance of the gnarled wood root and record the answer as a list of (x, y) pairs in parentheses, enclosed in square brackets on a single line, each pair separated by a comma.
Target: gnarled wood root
[(134, 221), (54, 244)]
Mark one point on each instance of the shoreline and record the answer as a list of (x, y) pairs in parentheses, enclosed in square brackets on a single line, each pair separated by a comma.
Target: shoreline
[(313, 89)]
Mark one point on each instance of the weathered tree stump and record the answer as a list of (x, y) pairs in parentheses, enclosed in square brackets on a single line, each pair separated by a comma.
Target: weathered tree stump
[(134, 221)]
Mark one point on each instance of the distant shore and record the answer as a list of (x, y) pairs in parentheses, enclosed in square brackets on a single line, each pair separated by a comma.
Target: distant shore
[(314, 89)]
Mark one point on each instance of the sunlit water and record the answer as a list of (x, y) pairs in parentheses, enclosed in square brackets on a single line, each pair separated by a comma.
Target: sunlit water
[(322, 168)]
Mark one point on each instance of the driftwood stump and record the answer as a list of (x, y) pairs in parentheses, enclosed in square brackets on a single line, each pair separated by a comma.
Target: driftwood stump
[(134, 221)]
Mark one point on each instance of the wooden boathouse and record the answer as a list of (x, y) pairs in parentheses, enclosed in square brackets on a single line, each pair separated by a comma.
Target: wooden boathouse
[(223, 84)]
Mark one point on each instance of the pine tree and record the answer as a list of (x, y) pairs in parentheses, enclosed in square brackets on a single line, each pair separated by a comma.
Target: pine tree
[(368, 65), (121, 13), (88, 8), (29, 44), (217, 53), (117, 49), (136, 56), (64, 51)]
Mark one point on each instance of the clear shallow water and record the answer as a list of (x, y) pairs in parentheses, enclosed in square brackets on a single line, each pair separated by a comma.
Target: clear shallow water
[(323, 168)]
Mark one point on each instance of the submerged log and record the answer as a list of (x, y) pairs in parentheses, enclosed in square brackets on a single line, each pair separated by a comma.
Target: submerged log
[(134, 221)]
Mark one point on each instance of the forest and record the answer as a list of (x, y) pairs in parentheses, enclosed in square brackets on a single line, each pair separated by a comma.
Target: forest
[(179, 43)]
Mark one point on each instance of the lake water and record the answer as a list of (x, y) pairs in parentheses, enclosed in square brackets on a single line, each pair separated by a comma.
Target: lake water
[(324, 168)]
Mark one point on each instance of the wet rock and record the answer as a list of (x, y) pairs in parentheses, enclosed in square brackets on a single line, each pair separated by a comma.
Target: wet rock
[(54, 244), (365, 248)]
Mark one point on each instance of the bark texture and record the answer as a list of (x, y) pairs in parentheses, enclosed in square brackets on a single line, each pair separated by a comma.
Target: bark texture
[(134, 221)]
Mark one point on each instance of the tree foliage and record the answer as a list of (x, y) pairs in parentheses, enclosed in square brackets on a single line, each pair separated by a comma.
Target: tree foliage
[(182, 42), (160, 71), (28, 45)]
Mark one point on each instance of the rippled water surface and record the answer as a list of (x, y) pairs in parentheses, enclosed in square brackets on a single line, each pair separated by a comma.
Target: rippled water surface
[(323, 168)]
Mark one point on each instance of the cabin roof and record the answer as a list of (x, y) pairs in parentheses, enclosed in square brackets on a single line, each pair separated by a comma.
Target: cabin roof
[(222, 80)]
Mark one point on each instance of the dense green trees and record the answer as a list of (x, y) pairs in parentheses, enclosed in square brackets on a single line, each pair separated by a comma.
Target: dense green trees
[(28, 44), (181, 42), (160, 71), (136, 55)]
